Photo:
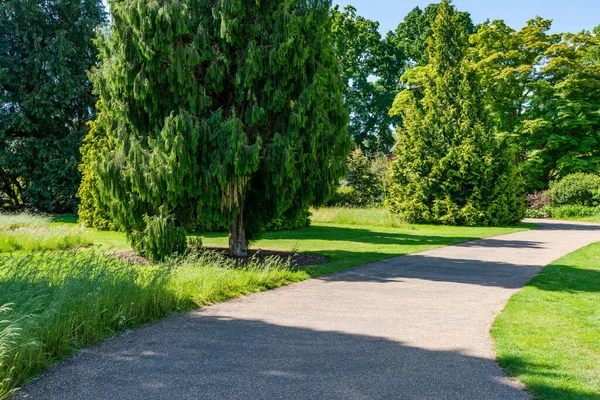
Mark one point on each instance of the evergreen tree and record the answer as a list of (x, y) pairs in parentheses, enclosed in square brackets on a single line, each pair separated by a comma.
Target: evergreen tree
[(219, 111), (450, 168), (46, 50)]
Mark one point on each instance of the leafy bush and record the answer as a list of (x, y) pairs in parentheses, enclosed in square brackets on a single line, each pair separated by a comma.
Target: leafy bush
[(367, 182), (368, 188), (290, 222), (343, 197), (576, 189), (537, 200), (572, 211), (537, 213)]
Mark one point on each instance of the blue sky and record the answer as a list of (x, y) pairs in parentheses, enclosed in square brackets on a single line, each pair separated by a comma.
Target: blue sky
[(568, 15)]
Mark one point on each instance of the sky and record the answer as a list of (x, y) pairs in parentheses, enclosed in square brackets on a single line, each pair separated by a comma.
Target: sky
[(568, 15)]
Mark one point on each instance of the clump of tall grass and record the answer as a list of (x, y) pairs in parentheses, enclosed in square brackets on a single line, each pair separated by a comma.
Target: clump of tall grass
[(63, 301), (357, 216), (28, 232)]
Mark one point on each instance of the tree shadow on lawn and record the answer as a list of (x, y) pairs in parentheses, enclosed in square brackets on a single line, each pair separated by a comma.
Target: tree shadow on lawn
[(544, 379), (359, 235), (219, 357)]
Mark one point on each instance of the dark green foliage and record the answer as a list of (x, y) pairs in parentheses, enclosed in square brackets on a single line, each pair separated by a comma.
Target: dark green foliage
[(370, 69), (450, 167), (289, 222), (577, 189), (45, 99), (220, 113)]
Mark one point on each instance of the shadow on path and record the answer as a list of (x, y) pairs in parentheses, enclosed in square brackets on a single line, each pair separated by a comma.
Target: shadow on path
[(440, 269), (212, 357)]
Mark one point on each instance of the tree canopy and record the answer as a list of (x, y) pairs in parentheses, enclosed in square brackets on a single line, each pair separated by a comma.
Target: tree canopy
[(370, 69), (45, 99), (542, 90)]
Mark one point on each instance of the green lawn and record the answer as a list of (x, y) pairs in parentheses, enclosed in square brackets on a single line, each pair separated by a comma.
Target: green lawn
[(365, 236), (548, 335)]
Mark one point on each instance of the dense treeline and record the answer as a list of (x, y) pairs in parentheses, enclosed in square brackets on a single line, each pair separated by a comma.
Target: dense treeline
[(474, 115), (46, 99)]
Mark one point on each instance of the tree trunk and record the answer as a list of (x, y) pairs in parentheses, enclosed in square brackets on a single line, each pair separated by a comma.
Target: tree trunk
[(237, 237)]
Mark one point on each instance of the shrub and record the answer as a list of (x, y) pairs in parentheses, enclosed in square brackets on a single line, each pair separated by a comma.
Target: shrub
[(572, 211), (577, 189), (537, 200), (343, 197), (368, 188), (537, 213), (290, 222)]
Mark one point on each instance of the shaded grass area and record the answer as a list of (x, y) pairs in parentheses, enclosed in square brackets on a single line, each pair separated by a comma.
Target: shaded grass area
[(56, 303), (548, 336), (347, 244), (26, 232), (353, 245)]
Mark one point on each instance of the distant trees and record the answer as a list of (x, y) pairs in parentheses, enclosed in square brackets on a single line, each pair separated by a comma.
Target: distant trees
[(45, 99), (543, 91), (413, 33), (370, 67), (223, 112), (450, 167)]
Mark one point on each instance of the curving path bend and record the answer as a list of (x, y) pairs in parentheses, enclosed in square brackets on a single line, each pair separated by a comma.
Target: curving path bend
[(412, 327)]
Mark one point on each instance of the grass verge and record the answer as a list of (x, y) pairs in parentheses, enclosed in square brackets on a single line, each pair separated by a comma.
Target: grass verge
[(548, 336), (55, 303), (27, 232)]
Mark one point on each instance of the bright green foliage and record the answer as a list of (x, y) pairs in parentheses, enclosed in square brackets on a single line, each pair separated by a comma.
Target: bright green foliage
[(543, 90), (370, 68), (450, 168), (45, 98), (412, 35), (220, 112), (90, 210), (577, 189)]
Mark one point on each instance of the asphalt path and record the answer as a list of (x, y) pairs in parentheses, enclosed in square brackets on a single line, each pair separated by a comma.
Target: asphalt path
[(411, 327)]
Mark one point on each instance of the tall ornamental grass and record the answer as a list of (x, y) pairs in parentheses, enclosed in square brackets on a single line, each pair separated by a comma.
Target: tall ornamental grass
[(27, 232), (58, 302)]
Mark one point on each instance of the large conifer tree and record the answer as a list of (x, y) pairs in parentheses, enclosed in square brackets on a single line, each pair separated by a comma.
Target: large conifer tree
[(227, 111), (450, 167)]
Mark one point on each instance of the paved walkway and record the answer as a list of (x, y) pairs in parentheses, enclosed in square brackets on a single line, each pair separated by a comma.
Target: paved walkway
[(413, 327)]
